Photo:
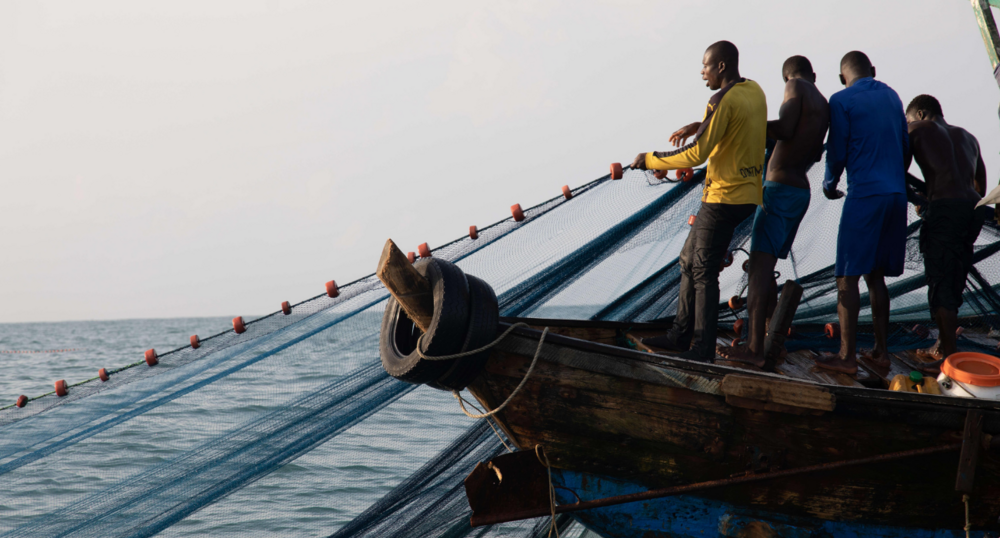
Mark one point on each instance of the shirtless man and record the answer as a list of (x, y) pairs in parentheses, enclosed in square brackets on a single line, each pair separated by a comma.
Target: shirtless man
[(867, 138), (955, 177), (800, 130)]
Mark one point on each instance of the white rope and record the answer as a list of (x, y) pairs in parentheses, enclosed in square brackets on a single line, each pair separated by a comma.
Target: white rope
[(552, 490), (534, 361), (474, 351), (489, 422), (968, 526)]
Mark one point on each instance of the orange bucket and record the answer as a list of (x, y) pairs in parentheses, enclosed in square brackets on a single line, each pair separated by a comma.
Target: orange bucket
[(977, 369)]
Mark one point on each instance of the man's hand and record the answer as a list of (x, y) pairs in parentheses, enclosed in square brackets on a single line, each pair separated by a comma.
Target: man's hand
[(833, 194), (680, 136), (640, 162)]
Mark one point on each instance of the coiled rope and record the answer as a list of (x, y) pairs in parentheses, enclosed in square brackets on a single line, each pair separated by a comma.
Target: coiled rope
[(534, 361)]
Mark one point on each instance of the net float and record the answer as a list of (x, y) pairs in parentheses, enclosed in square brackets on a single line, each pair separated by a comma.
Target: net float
[(22, 401), (238, 325), (691, 220), (286, 308), (424, 251), (515, 210), (411, 256), (735, 302), (738, 326), (660, 174), (616, 171), (920, 331), (959, 330), (473, 232), (152, 359), (61, 388), (746, 266), (832, 330), (684, 174), (567, 193), (103, 374), (195, 341), (736, 342), (727, 260), (331, 286)]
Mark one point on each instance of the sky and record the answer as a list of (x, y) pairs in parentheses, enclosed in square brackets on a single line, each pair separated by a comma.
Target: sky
[(188, 159)]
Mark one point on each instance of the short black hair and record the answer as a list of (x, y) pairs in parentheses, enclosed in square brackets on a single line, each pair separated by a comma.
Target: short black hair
[(724, 51), (856, 62), (925, 102), (797, 65)]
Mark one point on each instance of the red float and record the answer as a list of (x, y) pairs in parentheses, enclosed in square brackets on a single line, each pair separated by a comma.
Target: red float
[(424, 251), (685, 174), (566, 192), (61, 388), (746, 266), (791, 330), (616, 171), (331, 286), (411, 256), (103, 374), (738, 326), (660, 174), (195, 341), (151, 358), (959, 331), (691, 220), (516, 211), (473, 232), (832, 330), (22, 401), (737, 342), (920, 331), (286, 308), (727, 260), (735, 302), (238, 325)]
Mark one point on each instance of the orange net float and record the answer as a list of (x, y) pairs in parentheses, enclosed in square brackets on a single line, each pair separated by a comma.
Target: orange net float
[(22, 401), (691, 220), (103, 374), (515, 210), (977, 369), (423, 250), (684, 174), (331, 287), (61, 389), (286, 307), (920, 331), (238, 325), (791, 331), (737, 342), (660, 174), (151, 357), (746, 266), (195, 341), (566, 192), (738, 326), (832, 330), (727, 260), (959, 330), (411, 256), (473, 232), (735, 302), (616, 171)]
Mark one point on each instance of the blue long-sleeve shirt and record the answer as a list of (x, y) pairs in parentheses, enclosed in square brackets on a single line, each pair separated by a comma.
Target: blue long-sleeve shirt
[(868, 136)]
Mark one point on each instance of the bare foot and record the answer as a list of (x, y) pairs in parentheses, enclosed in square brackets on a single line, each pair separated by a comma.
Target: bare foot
[(833, 362), (932, 353), (877, 358), (740, 353)]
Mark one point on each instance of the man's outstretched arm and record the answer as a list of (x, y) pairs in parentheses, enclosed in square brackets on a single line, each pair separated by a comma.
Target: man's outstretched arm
[(707, 136), (783, 128), (836, 148)]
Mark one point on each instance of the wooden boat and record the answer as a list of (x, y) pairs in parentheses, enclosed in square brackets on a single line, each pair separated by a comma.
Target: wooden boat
[(648, 444)]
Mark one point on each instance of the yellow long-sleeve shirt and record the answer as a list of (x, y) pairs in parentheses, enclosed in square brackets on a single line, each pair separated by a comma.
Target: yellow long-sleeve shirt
[(731, 138)]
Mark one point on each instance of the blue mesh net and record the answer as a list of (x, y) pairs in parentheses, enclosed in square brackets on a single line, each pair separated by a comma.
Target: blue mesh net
[(211, 440)]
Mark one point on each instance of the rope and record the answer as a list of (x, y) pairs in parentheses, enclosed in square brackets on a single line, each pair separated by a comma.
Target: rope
[(534, 361), (474, 351), (968, 526), (552, 491), (490, 424)]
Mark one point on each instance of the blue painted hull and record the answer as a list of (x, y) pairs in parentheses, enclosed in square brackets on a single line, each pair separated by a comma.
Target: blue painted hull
[(686, 516)]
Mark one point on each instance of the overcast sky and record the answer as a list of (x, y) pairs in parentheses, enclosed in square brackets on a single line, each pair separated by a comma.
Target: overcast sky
[(216, 158)]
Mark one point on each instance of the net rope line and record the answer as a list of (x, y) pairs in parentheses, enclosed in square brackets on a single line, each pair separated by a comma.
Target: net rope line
[(544, 460), (458, 395)]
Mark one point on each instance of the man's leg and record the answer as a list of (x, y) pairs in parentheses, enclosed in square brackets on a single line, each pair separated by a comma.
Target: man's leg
[(762, 298), (848, 306), (879, 295), (679, 336), (947, 322)]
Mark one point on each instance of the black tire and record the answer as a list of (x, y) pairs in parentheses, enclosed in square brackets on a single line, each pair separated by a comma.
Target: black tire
[(483, 323), (445, 336)]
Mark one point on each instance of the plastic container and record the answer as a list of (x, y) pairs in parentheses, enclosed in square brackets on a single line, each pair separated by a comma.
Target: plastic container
[(970, 375), (915, 382)]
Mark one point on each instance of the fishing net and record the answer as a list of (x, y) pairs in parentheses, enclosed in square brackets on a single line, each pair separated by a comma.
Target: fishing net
[(209, 440)]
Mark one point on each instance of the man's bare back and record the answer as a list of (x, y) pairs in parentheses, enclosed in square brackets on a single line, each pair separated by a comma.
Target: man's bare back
[(948, 157), (800, 130)]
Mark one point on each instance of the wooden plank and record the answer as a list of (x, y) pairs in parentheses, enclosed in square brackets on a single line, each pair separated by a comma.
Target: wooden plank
[(988, 31), (781, 321), (779, 392), (802, 365), (971, 440), (411, 290)]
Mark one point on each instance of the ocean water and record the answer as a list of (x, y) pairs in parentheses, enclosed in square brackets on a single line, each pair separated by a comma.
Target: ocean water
[(312, 496)]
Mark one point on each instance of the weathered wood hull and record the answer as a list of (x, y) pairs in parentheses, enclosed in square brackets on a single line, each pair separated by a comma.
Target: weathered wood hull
[(648, 421)]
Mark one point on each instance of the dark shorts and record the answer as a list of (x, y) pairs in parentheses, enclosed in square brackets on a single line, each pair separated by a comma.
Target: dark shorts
[(947, 235), (872, 235), (777, 220)]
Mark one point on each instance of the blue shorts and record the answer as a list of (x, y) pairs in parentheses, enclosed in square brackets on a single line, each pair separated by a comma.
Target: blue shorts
[(872, 235), (777, 220)]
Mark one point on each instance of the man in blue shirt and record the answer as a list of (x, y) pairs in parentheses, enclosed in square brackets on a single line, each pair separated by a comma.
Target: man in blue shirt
[(868, 136)]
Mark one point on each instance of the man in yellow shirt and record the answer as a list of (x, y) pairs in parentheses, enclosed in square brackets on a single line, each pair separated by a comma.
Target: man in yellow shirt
[(731, 137)]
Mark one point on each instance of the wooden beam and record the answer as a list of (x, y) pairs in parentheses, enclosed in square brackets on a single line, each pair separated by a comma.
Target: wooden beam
[(971, 441), (781, 321), (988, 31), (410, 289), (785, 393)]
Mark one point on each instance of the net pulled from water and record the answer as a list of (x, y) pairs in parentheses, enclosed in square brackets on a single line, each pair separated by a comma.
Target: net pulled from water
[(293, 428)]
